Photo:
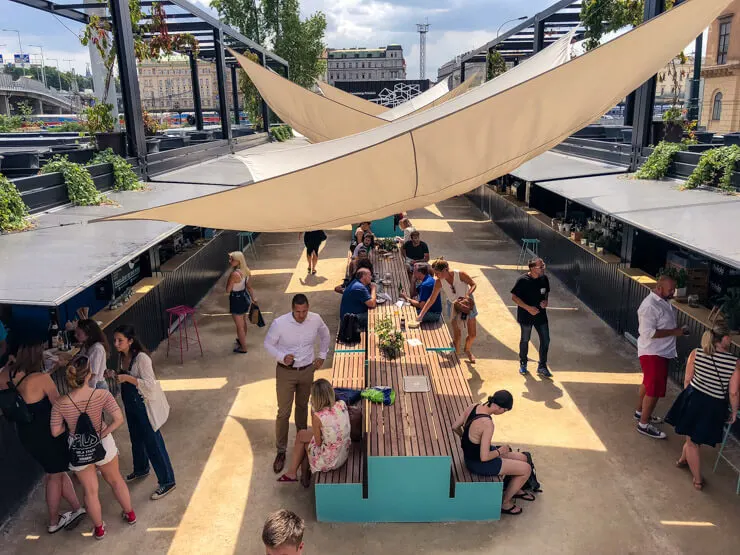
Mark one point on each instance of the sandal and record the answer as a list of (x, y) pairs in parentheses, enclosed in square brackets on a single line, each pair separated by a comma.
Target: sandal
[(527, 496), (238, 350), (286, 478), (698, 486), (313, 272), (681, 464), (512, 510)]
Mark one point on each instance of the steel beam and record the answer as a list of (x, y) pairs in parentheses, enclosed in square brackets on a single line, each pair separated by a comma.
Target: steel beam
[(56, 9), (645, 97), (223, 107), (696, 80), (539, 36), (235, 94), (195, 84), (121, 17), (265, 107)]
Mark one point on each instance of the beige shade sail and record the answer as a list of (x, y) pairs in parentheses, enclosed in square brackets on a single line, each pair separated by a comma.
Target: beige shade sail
[(343, 97), (447, 150)]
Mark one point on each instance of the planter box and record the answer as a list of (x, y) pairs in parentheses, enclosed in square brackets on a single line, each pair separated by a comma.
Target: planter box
[(592, 245), (21, 160), (152, 146), (115, 141)]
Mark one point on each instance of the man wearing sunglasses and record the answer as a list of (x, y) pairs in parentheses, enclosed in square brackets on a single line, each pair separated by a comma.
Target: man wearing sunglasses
[(530, 294)]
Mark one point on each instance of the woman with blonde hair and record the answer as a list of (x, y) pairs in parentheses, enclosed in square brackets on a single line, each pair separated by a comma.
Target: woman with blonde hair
[(458, 287), (325, 445), (39, 393), (712, 381), (84, 399), (241, 297)]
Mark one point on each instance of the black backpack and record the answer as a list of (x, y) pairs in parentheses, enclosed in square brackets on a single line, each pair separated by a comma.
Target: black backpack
[(84, 445), (532, 483), (13, 405), (349, 330)]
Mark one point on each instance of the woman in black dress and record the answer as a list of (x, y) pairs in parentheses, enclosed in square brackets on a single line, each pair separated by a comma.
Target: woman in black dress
[(700, 412), (313, 240), (39, 393)]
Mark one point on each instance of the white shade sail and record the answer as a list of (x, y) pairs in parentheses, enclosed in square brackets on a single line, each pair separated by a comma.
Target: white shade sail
[(419, 101), (447, 150)]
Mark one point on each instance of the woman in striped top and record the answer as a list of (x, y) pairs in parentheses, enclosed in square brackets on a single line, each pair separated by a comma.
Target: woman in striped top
[(700, 411)]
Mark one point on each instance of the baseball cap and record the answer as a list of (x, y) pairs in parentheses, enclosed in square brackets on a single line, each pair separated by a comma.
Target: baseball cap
[(503, 399)]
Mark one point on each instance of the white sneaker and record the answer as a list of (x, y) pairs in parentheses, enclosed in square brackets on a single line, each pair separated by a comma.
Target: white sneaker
[(64, 519), (76, 518)]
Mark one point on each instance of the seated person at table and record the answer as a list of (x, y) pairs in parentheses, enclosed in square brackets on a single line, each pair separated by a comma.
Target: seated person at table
[(415, 250), (475, 428), (362, 262), (423, 276), (325, 445), (363, 228), (368, 240), (359, 296)]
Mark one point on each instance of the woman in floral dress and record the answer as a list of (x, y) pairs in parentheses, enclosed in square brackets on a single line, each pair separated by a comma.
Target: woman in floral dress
[(325, 445)]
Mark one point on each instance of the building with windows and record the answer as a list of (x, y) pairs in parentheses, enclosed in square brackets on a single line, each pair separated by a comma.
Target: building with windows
[(721, 73), (166, 84), (366, 64)]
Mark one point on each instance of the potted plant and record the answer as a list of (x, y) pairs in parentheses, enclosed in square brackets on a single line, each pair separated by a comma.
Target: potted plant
[(592, 238), (566, 228), (390, 341), (600, 244), (151, 127), (101, 125), (679, 276)]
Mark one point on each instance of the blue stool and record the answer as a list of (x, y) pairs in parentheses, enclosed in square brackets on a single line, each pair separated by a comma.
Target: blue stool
[(532, 245), (248, 238)]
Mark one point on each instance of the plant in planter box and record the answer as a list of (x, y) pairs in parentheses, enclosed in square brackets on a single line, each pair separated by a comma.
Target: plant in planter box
[(600, 243), (657, 164), (387, 244), (151, 124), (390, 340), (123, 173), (13, 211), (715, 167), (730, 308), (100, 123), (80, 186), (593, 236)]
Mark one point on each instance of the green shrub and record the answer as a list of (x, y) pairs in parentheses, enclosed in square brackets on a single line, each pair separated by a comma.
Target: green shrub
[(715, 168), (80, 186), (123, 173), (69, 127), (657, 164), (13, 210)]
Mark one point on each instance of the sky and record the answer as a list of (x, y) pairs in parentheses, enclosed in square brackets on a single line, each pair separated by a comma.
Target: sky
[(456, 26)]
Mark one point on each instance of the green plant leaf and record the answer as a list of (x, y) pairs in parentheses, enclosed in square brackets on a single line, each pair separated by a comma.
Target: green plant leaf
[(13, 211), (80, 185)]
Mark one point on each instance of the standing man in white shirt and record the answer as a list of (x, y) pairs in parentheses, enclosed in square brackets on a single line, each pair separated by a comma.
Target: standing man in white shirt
[(291, 341), (656, 346)]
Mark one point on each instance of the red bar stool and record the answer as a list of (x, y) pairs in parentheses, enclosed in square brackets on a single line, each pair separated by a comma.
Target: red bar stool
[(182, 315)]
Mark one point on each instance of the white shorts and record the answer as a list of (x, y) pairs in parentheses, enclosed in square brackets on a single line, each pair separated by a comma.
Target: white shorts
[(111, 451)]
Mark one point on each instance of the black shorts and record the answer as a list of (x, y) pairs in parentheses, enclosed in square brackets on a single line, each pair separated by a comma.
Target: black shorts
[(312, 246), (239, 302)]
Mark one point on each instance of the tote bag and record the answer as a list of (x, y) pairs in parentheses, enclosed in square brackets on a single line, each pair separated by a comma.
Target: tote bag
[(157, 407)]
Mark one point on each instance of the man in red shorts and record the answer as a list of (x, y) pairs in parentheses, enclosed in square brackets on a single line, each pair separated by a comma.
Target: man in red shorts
[(656, 346)]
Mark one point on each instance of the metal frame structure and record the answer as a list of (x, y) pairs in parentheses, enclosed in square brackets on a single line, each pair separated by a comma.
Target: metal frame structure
[(182, 17)]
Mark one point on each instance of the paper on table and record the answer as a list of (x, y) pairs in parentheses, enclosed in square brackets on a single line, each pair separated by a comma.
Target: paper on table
[(414, 342), (400, 304)]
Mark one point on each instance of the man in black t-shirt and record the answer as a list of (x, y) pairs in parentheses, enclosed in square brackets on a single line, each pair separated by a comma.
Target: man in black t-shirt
[(414, 251), (530, 294)]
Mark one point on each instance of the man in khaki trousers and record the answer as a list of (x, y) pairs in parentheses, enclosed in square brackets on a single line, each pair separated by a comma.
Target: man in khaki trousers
[(291, 340)]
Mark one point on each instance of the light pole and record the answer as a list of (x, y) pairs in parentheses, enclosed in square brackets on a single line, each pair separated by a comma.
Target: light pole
[(509, 21), (59, 72), (43, 63), (20, 45)]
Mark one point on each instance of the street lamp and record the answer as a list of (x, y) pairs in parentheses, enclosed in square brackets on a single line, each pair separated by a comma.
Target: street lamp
[(509, 21), (59, 72), (43, 63), (20, 45)]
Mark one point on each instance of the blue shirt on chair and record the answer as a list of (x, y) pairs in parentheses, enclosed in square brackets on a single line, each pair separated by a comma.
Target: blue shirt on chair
[(425, 289), (354, 298)]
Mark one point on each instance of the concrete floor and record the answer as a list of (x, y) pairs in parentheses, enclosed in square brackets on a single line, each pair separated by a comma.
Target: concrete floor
[(606, 488)]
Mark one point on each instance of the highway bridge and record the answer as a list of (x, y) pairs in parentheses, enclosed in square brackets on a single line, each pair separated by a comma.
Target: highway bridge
[(41, 99)]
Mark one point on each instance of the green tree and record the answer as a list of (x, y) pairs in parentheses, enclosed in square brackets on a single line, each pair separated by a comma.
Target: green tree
[(600, 17), (495, 65), (252, 99)]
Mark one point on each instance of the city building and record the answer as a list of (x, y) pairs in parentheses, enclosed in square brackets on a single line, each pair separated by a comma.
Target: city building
[(366, 64), (721, 73), (166, 84)]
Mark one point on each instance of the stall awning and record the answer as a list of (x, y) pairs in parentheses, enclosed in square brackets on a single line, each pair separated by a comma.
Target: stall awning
[(702, 221), (64, 254), (552, 165)]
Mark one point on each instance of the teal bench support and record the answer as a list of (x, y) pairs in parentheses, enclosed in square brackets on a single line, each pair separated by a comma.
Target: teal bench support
[(409, 489)]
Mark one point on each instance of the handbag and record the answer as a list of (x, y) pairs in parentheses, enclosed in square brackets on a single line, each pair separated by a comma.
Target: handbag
[(464, 305), (255, 316)]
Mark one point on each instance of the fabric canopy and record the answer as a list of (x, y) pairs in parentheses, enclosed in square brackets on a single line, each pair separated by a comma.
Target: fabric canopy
[(447, 150), (343, 97)]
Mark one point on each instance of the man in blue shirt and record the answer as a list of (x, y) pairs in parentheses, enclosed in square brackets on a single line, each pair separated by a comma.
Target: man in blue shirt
[(423, 277), (359, 296), (3, 340)]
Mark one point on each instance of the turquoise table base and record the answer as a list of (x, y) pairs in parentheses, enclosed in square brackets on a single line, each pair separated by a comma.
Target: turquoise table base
[(409, 489)]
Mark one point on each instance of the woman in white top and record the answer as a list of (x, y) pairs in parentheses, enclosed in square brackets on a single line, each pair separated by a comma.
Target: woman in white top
[(700, 412), (95, 348), (457, 286), (241, 297), (407, 228)]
